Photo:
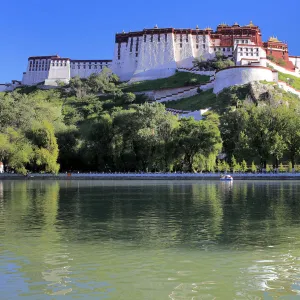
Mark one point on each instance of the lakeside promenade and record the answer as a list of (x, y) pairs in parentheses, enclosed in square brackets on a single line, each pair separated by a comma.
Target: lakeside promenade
[(150, 176)]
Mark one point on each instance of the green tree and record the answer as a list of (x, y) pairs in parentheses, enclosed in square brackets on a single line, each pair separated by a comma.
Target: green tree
[(234, 164), (253, 167), (197, 137), (244, 166), (281, 168)]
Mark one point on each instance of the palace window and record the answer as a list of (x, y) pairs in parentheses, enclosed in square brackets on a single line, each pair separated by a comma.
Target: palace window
[(131, 44), (256, 54), (241, 53), (158, 37), (204, 38), (187, 37), (180, 45), (145, 38), (90, 66), (197, 38), (197, 46), (119, 51), (246, 49), (166, 37), (136, 55), (137, 44), (151, 38), (203, 46), (95, 66), (215, 49), (224, 49), (181, 38), (175, 37), (228, 49)]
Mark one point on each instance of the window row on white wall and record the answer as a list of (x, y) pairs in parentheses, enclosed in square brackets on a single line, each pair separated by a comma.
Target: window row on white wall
[(89, 66)]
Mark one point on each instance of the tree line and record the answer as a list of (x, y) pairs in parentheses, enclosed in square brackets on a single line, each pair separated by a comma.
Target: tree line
[(92, 125)]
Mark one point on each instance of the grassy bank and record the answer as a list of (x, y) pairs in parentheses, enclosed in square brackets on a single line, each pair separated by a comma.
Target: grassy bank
[(200, 101), (179, 79), (290, 79)]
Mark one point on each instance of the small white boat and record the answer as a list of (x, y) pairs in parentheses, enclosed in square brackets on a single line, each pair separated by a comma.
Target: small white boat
[(226, 178)]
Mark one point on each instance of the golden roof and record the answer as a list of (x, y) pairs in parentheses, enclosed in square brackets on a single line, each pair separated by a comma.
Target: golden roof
[(208, 28), (251, 24), (273, 39)]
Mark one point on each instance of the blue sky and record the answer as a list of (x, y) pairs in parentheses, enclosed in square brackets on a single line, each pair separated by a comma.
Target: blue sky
[(85, 29)]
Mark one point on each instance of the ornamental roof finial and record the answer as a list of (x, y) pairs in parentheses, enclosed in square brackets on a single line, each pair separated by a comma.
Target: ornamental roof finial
[(156, 27), (197, 27), (251, 24)]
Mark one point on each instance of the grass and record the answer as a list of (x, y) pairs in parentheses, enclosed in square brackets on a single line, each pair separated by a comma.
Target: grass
[(218, 103), (290, 79), (200, 101), (179, 79)]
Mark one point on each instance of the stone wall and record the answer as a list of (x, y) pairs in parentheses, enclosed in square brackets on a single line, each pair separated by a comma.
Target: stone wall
[(241, 75)]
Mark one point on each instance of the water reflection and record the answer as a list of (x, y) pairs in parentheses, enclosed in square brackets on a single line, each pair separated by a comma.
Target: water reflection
[(178, 238)]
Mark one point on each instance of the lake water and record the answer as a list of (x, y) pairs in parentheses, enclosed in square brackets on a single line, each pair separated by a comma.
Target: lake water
[(149, 240)]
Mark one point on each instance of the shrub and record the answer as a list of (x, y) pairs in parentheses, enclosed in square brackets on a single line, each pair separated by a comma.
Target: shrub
[(128, 98)]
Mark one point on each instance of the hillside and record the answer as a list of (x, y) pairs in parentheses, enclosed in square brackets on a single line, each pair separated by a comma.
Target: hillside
[(97, 125), (233, 96)]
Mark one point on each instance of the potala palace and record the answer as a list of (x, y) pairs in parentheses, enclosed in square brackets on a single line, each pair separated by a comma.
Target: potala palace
[(158, 52)]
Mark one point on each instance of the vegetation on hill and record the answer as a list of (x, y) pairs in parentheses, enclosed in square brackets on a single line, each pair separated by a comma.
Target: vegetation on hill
[(207, 99), (290, 79), (179, 79), (92, 125), (278, 61), (219, 62)]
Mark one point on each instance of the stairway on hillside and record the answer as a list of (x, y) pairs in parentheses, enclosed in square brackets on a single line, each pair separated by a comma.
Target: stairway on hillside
[(185, 93)]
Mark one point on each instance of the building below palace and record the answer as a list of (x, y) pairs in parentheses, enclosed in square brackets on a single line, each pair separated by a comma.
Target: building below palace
[(159, 52), (50, 69)]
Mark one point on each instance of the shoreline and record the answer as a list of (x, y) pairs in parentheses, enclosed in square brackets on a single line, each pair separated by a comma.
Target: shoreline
[(150, 176)]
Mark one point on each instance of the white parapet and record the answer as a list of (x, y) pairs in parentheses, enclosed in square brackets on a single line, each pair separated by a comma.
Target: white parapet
[(241, 75)]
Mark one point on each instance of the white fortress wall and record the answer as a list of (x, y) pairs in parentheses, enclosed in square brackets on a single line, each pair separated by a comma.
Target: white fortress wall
[(126, 58), (156, 57), (295, 60), (283, 70), (241, 75), (37, 70), (3, 87), (85, 68), (183, 46), (59, 71)]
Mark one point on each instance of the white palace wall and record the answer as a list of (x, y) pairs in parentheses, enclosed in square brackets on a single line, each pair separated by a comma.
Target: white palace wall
[(158, 55), (295, 60), (160, 63), (59, 71), (241, 75)]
